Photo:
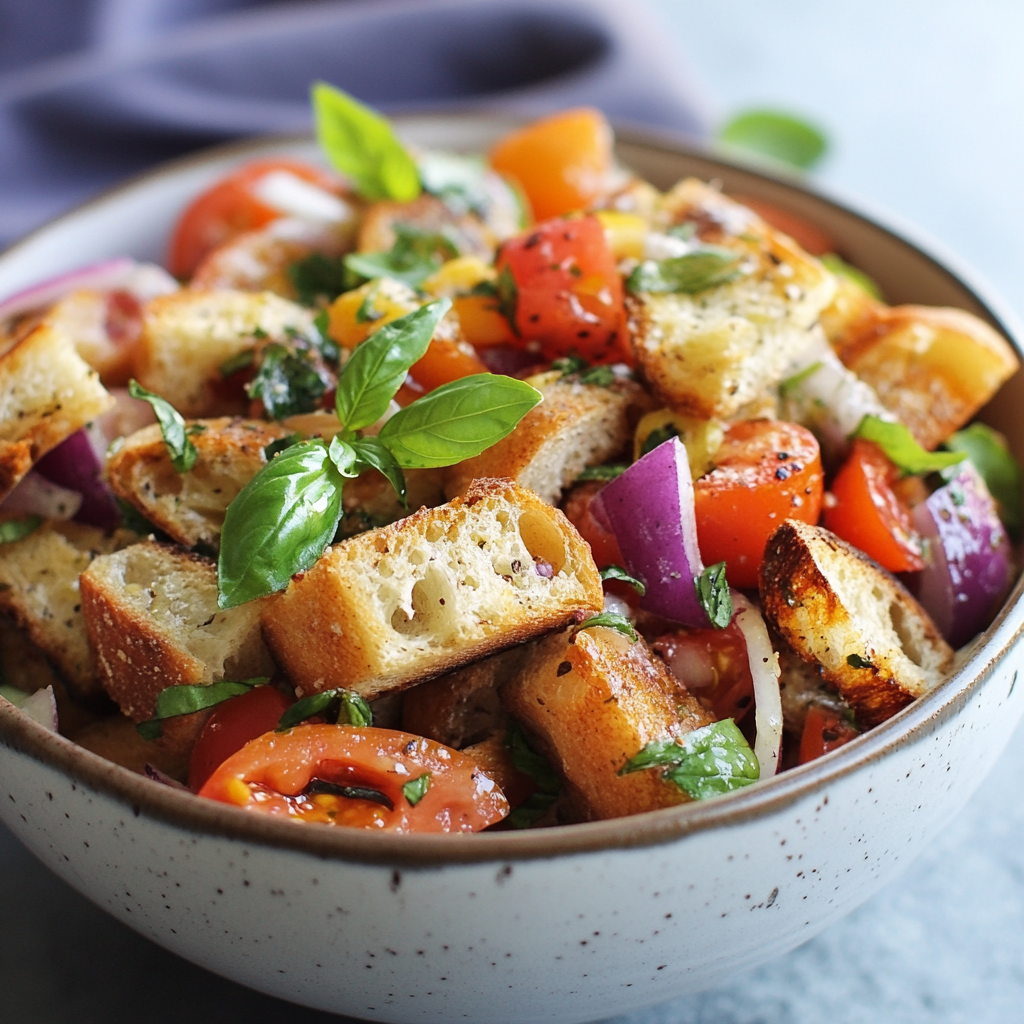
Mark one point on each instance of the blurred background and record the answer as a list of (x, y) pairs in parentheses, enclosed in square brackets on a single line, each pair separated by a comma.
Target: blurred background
[(923, 106)]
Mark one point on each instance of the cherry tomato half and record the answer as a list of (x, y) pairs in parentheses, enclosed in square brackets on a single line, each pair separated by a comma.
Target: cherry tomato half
[(233, 724), (568, 292), (824, 730), (229, 208), (866, 512), (765, 471), (359, 777)]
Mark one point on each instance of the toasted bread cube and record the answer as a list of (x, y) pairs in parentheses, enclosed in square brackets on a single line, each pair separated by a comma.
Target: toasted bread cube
[(851, 311), (710, 353), (153, 622), (591, 701), (189, 335), (837, 608), (933, 368), (370, 501), (437, 590), (47, 392), (117, 739), (429, 214), (39, 588), (577, 425)]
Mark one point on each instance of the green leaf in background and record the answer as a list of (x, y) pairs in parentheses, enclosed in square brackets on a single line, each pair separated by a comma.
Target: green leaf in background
[(611, 620), (319, 279), (174, 701), (172, 426), (902, 450), (372, 454), (279, 524), (416, 789), (614, 572), (361, 144), (706, 762), (336, 707), (608, 472), (695, 272), (841, 268), (377, 368), (287, 382), (988, 451), (713, 594), (415, 255), (458, 420), (780, 136), (12, 530)]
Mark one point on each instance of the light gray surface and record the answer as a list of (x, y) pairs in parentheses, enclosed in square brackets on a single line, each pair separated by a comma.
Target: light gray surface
[(924, 101)]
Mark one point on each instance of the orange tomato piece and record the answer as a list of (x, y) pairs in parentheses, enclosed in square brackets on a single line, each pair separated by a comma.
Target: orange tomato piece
[(866, 511), (229, 208), (481, 322), (765, 471), (561, 162), (359, 777), (824, 730), (444, 361)]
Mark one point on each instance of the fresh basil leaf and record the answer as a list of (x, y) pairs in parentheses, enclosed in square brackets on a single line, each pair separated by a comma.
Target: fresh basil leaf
[(611, 620), (416, 789), (569, 366), (526, 760), (377, 368), (458, 181), (279, 524), (458, 420), (485, 289), (607, 472), (361, 144), (777, 135), (415, 255), (12, 530), (695, 272), (857, 661), (174, 701), (319, 279), (329, 348), (614, 572), (899, 446), (713, 594), (287, 383), (508, 297), (841, 268), (344, 457), (239, 361), (280, 444), (172, 426), (706, 762), (372, 454), (337, 707), (790, 384), (658, 437), (992, 458)]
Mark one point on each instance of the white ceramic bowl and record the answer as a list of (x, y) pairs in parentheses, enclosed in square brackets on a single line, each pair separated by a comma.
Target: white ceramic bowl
[(568, 924)]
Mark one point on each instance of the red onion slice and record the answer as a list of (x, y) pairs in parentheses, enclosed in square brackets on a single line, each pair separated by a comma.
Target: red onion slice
[(764, 671), (968, 570), (76, 465), (649, 508), (37, 496)]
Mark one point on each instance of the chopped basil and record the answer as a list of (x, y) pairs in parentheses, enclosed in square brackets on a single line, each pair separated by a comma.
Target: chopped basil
[(841, 268), (174, 701), (608, 472), (598, 376), (992, 458), (12, 530), (539, 770), (695, 272), (336, 707), (361, 144), (485, 289), (777, 135), (707, 762), (280, 444), (792, 383), (613, 572), (856, 661), (611, 620), (367, 313), (320, 279), (172, 426), (132, 519), (658, 437), (329, 348), (899, 446), (458, 181), (415, 255), (713, 594), (569, 366), (508, 297), (287, 382), (349, 792), (416, 789), (239, 361)]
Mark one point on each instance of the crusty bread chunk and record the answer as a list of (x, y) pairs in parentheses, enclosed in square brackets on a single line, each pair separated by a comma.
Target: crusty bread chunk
[(39, 588), (836, 607), (577, 425), (189, 507), (47, 392), (591, 701), (428, 214), (933, 368), (851, 311), (437, 590), (117, 739), (153, 622), (189, 335), (710, 353), (371, 501)]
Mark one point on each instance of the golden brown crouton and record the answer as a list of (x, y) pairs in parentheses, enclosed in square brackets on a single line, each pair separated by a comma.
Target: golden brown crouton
[(437, 590), (592, 701), (117, 739), (427, 214), (47, 392), (836, 607)]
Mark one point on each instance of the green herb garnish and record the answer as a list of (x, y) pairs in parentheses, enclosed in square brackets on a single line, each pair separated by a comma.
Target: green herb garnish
[(12, 530), (175, 701), (613, 572), (172, 426), (608, 472), (320, 279), (239, 361), (508, 297), (336, 707), (707, 762), (286, 382), (280, 444), (841, 268), (856, 661), (992, 458), (695, 272), (415, 255), (329, 348), (780, 136), (458, 181), (790, 384), (611, 620), (658, 437), (416, 789), (899, 446), (713, 594), (537, 768), (569, 366)]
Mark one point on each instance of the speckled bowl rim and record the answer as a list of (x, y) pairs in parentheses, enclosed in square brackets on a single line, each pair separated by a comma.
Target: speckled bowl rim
[(142, 796)]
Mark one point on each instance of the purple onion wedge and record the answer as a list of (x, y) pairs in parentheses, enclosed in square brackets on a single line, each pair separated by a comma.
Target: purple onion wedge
[(76, 465), (969, 558)]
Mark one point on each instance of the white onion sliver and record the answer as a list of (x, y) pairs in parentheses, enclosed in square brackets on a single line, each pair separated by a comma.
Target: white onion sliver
[(41, 707), (764, 670), (291, 195), (37, 496)]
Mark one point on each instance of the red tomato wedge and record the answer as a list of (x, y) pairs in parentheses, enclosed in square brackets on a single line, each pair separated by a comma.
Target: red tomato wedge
[(229, 208), (603, 545), (568, 291), (361, 778), (233, 724), (824, 730), (766, 471), (867, 513)]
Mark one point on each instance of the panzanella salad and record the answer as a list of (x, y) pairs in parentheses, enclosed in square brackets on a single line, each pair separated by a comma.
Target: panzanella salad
[(433, 493)]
